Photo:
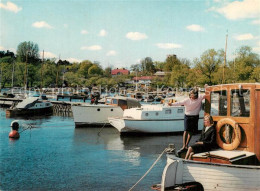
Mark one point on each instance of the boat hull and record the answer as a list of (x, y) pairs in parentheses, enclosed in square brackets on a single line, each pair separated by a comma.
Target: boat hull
[(29, 112), (94, 115), (124, 125), (212, 176)]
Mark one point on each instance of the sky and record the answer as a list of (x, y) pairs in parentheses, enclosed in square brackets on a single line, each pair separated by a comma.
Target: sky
[(120, 33)]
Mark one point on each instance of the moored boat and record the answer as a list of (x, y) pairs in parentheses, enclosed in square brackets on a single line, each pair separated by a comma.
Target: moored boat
[(31, 106), (235, 109), (90, 115), (152, 118)]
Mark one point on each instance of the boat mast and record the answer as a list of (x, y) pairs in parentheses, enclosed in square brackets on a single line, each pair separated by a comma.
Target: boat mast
[(42, 69), (225, 59), (57, 72)]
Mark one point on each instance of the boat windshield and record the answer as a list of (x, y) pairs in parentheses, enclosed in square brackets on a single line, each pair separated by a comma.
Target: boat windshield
[(240, 103), (218, 103)]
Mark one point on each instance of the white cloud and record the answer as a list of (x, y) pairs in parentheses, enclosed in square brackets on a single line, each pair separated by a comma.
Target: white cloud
[(72, 60), (168, 45), (84, 32), (10, 7), (93, 47), (136, 36), (196, 28), (111, 53), (102, 33), (48, 55), (256, 22), (242, 37), (41, 24), (257, 48), (241, 9), (9, 49)]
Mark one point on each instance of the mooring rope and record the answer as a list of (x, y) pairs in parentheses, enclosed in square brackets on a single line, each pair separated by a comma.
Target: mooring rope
[(148, 170), (101, 129)]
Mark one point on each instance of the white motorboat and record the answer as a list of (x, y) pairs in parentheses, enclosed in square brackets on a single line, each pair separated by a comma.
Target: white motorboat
[(236, 165), (158, 118), (91, 115), (31, 106)]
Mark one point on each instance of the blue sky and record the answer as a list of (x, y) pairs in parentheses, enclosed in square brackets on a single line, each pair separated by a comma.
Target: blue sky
[(121, 33)]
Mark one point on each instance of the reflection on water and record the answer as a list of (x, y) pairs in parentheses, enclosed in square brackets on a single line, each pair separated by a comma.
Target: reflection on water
[(58, 156)]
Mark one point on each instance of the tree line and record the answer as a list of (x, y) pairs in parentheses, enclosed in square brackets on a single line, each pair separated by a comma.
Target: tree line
[(26, 67)]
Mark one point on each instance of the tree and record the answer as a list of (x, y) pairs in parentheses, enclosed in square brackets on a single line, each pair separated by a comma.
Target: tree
[(171, 61), (135, 67), (95, 70), (107, 72), (84, 67), (28, 51), (147, 66), (208, 64), (244, 64)]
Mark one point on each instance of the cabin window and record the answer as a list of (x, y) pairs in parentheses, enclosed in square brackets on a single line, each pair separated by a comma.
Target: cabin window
[(180, 111), (168, 111), (114, 101), (108, 101), (218, 100), (240, 103), (146, 114), (156, 113), (122, 102)]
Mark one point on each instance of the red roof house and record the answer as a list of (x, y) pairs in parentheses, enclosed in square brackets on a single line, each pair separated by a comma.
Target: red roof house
[(120, 72)]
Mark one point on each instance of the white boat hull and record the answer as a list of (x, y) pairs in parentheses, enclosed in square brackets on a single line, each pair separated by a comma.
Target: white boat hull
[(124, 125), (95, 115), (212, 176)]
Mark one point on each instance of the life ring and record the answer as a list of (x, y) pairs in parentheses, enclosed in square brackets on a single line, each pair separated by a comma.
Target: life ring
[(235, 137)]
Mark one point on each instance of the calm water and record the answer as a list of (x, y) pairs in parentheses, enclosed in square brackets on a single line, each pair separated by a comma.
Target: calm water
[(56, 156)]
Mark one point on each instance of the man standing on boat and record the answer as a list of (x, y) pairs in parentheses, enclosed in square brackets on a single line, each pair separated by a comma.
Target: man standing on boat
[(191, 118)]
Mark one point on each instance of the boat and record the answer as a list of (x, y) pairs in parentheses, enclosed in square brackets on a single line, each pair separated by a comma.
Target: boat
[(235, 165), (31, 106), (91, 115), (153, 118)]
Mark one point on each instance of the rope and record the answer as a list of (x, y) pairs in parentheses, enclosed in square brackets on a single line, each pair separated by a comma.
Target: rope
[(148, 170), (101, 129)]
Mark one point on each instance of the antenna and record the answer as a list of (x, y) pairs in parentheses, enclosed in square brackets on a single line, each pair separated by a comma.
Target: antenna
[(225, 59)]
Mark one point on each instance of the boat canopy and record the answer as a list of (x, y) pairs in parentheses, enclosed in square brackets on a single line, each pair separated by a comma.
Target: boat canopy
[(120, 100)]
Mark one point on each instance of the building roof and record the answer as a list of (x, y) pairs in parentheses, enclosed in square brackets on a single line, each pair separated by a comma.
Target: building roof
[(119, 71), (143, 78)]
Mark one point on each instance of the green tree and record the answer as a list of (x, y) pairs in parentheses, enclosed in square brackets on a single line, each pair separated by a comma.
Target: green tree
[(84, 68), (95, 70), (208, 64), (28, 51)]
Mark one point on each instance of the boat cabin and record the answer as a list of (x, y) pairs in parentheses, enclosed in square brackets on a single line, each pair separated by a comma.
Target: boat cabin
[(235, 109), (123, 102)]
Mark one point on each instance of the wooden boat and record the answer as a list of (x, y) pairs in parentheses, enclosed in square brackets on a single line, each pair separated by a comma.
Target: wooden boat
[(91, 115), (31, 106), (235, 166)]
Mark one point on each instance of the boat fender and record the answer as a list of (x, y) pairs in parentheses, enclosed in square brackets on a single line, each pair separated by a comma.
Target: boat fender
[(236, 139), (14, 134)]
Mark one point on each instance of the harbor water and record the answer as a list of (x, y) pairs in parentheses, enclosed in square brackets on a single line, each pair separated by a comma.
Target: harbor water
[(54, 155)]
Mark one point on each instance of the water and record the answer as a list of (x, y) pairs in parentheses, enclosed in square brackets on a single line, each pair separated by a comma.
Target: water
[(56, 156)]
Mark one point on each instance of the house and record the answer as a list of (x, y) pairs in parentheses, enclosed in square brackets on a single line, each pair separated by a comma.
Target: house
[(143, 79), (121, 71)]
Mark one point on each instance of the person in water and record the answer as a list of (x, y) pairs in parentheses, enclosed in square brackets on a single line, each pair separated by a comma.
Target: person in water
[(191, 118), (207, 140)]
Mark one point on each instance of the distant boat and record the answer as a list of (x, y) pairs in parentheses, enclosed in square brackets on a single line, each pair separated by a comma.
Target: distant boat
[(236, 165), (90, 115), (31, 106), (152, 118)]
